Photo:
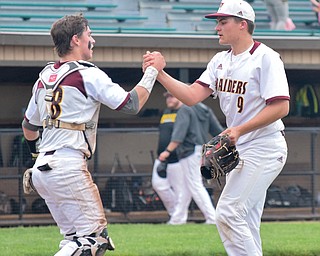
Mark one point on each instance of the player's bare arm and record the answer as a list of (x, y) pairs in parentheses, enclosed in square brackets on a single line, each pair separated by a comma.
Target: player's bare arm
[(273, 111), (32, 137), (188, 94), (29, 134), (171, 147), (140, 93)]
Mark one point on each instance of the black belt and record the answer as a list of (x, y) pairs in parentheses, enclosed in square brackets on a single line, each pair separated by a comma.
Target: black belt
[(46, 167), (49, 153)]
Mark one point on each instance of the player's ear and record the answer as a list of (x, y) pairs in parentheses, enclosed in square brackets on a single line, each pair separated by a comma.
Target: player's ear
[(243, 24), (74, 40)]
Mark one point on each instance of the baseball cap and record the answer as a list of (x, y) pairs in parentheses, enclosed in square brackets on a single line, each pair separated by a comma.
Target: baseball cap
[(237, 8)]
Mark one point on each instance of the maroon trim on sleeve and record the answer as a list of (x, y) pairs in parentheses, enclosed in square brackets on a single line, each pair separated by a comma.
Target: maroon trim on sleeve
[(202, 83), (277, 98), (25, 118), (124, 102), (254, 47)]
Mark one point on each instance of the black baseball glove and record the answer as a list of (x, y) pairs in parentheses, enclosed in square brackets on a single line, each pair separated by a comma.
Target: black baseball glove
[(219, 157), (162, 169)]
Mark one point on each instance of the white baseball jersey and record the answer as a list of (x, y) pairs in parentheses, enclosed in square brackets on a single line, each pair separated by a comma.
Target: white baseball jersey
[(245, 84), (76, 100)]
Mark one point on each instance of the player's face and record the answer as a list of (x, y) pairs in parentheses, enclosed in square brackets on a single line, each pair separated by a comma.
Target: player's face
[(228, 30), (87, 43)]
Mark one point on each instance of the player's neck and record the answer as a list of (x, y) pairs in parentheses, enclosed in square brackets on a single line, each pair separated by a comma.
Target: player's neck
[(242, 46), (73, 56), (66, 59)]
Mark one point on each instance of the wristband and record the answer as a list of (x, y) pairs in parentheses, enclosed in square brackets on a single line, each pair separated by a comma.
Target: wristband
[(33, 145), (149, 78), (169, 151)]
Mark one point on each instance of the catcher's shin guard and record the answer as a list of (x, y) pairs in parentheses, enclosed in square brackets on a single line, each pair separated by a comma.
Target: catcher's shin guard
[(103, 244), (80, 246), (87, 246), (106, 240)]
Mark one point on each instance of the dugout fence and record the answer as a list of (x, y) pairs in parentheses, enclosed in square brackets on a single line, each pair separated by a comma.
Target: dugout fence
[(122, 168)]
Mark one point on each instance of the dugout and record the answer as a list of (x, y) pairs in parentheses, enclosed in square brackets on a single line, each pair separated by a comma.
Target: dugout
[(22, 56)]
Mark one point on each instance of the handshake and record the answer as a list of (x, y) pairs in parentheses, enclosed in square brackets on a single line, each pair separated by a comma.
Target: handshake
[(154, 59)]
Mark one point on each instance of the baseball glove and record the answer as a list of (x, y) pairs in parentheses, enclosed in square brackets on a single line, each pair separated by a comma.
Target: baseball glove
[(27, 182), (219, 157), (162, 169)]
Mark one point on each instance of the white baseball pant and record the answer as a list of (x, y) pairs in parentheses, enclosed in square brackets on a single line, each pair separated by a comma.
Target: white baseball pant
[(193, 188), (170, 187), (70, 193), (241, 203)]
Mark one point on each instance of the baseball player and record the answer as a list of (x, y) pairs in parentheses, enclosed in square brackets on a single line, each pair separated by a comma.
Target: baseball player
[(250, 81), (186, 139), (66, 101), (167, 177)]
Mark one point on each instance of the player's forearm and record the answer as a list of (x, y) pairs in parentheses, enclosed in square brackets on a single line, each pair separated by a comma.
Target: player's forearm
[(180, 90), (271, 113), (143, 96), (143, 89), (171, 147), (30, 135), (30, 132)]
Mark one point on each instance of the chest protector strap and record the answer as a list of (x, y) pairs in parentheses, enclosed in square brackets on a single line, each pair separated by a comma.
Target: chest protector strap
[(51, 78)]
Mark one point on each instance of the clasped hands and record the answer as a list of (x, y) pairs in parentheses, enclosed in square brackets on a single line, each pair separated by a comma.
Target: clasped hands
[(154, 59)]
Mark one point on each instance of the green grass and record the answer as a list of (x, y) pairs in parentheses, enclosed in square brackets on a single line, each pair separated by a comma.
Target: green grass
[(279, 239)]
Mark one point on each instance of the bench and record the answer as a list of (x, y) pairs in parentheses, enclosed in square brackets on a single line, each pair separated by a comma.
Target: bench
[(174, 16), (27, 16), (88, 6), (95, 29), (146, 30), (296, 20), (211, 8), (44, 28), (296, 32), (205, 29)]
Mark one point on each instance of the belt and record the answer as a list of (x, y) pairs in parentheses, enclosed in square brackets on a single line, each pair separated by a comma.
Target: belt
[(70, 126), (49, 153)]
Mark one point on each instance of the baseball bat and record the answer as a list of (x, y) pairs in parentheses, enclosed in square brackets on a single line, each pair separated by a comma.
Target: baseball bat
[(132, 167)]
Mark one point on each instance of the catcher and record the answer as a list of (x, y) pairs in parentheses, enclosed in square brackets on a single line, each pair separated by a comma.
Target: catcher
[(66, 102)]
